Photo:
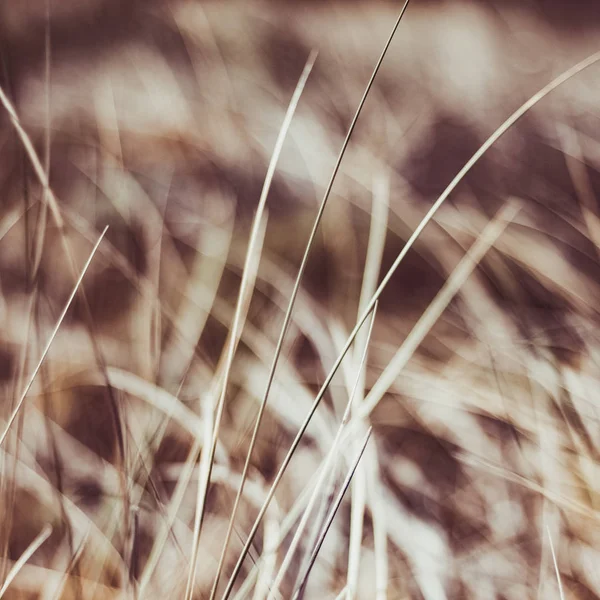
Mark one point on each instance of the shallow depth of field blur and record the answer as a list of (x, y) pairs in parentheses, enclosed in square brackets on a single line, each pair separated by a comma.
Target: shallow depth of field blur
[(480, 379)]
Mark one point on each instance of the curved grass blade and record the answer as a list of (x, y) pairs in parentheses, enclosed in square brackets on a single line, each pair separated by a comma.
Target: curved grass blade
[(32, 377), (267, 184), (37, 542)]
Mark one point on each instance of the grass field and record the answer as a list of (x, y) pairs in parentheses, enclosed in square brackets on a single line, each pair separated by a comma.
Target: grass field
[(298, 300)]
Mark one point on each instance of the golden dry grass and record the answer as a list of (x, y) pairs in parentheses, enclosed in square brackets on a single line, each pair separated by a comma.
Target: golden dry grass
[(316, 351)]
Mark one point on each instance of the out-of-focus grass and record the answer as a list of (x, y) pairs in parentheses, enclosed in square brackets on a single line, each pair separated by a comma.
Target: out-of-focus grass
[(476, 372)]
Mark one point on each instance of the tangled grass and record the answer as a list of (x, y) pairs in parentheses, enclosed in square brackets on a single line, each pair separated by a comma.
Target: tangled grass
[(405, 411)]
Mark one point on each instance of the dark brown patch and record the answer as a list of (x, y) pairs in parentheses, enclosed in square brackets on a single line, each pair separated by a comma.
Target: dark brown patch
[(440, 155), (88, 493), (433, 455), (108, 295), (7, 362), (91, 419), (285, 56)]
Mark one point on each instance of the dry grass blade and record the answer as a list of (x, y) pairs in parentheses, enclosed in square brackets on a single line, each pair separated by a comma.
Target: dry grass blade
[(330, 517), (555, 562), (376, 245), (433, 312), (263, 198), (37, 542), (298, 281), (266, 568), (41, 225), (379, 529), (17, 408), (206, 463), (375, 248), (33, 157), (559, 500)]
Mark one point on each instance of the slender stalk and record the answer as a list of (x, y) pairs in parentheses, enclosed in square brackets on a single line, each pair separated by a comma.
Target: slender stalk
[(32, 377), (298, 281)]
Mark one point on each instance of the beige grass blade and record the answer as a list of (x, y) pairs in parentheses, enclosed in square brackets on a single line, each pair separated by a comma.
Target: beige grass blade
[(206, 463), (433, 312), (37, 542), (375, 248), (555, 562), (265, 190), (33, 157), (17, 408)]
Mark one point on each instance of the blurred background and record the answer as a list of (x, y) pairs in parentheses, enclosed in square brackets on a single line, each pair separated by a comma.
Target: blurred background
[(159, 120)]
